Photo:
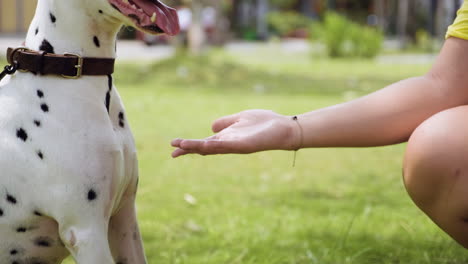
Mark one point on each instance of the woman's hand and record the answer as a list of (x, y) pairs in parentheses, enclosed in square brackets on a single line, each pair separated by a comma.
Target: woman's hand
[(246, 132)]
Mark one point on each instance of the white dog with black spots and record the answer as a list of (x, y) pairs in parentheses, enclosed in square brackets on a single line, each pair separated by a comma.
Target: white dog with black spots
[(68, 163)]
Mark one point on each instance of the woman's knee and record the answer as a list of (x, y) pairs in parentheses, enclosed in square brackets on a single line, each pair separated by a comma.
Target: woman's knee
[(436, 170), (435, 156)]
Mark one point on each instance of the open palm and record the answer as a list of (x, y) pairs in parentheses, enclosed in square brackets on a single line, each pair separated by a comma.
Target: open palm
[(245, 132)]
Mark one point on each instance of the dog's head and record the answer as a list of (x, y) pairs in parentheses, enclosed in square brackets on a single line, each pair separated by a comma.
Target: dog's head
[(151, 16)]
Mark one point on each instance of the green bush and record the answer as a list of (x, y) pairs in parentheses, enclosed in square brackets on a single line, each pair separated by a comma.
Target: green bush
[(424, 41), (332, 33), (344, 38), (285, 22), (366, 42)]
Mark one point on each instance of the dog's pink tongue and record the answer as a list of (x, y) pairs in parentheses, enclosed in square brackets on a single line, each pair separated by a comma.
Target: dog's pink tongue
[(166, 17)]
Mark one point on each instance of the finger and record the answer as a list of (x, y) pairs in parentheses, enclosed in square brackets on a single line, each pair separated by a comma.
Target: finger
[(179, 152), (176, 142), (210, 147), (224, 122), (193, 145)]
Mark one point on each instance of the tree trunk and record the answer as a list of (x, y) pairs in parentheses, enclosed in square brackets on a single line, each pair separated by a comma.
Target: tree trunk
[(444, 16), (403, 9), (379, 6), (221, 30), (196, 34), (262, 26), (234, 17)]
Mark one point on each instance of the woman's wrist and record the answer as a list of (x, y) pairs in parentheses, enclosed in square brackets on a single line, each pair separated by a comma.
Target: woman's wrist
[(295, 134), (299, 135)]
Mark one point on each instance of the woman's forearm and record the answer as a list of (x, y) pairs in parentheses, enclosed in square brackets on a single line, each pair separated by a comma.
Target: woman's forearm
[(385, 117), (390, 115)]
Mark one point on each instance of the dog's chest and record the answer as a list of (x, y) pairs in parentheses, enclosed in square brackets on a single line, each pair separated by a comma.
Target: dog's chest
[(63, 145), (60, 137)]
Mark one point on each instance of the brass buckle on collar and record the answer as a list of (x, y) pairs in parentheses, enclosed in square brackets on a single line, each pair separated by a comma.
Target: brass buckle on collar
[(78, 66)]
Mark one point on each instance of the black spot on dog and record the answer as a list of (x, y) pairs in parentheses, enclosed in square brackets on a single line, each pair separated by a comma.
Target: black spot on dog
[(121, 120), (43, 242), (46, 46), (1, 212), (21, 134), (37, 123), (109, 82), (37, 213), (13, 252), (108, 94), (11, 199), (108, 97), (36, 31), (100, 11), (21, 229), (40, 94), (92, 195), (45, 108), (96, 42), (40, 154), (52, 18)]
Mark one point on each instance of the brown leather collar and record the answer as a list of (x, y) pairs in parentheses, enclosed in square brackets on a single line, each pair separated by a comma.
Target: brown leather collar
[(67, 65)]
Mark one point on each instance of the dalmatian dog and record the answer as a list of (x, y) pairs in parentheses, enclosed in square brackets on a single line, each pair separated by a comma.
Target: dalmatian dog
[(68, 165)]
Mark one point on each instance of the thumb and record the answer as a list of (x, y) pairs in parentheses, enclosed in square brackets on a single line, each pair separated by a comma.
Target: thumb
[(224, 122)]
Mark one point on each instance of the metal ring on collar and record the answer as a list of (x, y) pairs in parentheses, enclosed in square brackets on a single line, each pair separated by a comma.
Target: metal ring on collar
[(11, 59)]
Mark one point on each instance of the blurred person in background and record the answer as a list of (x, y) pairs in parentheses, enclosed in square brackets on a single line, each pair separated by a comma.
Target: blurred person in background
[(429, 112), (208, 20), (185, 20)]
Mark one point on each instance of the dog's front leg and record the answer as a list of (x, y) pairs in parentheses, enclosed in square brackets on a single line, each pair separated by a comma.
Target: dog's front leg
[(124, 234), (87, 241)]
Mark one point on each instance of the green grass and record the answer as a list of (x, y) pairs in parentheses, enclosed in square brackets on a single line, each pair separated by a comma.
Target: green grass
[(336, 206)]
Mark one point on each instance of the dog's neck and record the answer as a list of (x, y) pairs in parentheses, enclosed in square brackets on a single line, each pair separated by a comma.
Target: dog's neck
[(60, 27)]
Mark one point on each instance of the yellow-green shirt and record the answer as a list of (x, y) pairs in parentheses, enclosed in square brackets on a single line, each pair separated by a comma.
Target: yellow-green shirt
[(459, 28)]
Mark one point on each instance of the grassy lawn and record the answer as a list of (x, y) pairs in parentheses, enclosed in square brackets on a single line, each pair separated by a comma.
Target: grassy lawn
[(336, 206)]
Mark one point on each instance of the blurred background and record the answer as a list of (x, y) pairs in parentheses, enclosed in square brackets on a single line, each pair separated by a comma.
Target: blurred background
[(336, 206), (411, 23)]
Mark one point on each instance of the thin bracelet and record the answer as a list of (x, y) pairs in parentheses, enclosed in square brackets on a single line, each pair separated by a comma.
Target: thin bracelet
[(294, 118)]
